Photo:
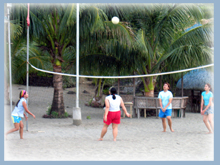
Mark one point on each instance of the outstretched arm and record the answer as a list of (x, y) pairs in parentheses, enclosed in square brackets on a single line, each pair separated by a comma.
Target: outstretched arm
[(26, 109), (124, 108)]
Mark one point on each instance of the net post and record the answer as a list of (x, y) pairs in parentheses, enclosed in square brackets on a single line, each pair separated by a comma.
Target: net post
[(77, 110)]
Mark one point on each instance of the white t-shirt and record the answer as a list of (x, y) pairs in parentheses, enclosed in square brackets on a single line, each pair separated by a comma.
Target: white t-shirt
[(165, 96), (114, 105), (19, 110)]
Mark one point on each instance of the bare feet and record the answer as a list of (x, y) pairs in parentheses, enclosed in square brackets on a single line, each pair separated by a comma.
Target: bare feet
[(114, 140), (100, 139), (171, 130), (164, 131), (209, 133)]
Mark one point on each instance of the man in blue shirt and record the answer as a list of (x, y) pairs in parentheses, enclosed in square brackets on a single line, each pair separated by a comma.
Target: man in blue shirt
[(165, 99)]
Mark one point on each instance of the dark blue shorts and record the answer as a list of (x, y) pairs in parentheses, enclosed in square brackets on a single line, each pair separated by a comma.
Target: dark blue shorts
[(162, 114)]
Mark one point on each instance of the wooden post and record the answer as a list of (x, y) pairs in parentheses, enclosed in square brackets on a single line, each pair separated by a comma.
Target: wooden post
[(134, 87), (192, 97), (182, 83), (161, 88), (118, 86)]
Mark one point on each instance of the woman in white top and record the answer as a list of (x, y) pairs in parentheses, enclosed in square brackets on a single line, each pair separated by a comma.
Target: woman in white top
[(18, 113), (112, 113)]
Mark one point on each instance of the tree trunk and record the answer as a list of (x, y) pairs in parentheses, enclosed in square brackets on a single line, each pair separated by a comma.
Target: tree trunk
[(149, 86), (58, 104), (97, 99), (149, 94)]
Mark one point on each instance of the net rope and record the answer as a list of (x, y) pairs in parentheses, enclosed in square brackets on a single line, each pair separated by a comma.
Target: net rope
[(115, 77)]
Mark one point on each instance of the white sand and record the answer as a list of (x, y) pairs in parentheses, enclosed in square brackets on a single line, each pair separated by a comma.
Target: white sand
[(138, 139)]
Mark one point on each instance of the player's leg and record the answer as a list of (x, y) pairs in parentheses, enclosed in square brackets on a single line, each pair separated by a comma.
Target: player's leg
[(210, 119), (170, 123), (104, 130), (115, 130), (164, 124), (16, 128), (21, 125), (205, 120)]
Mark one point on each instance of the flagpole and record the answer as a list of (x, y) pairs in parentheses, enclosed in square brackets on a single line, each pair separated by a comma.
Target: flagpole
[(9, 52), (27, 80)]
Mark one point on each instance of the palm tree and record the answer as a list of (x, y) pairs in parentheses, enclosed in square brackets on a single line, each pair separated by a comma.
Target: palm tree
[(52, 28), (105, 49), (163, 42)]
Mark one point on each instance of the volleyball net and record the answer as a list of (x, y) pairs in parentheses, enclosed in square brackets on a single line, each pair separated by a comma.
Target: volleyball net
[(123, 77)]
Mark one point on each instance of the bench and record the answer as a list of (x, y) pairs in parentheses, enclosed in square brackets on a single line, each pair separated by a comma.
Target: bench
[(152, 103)]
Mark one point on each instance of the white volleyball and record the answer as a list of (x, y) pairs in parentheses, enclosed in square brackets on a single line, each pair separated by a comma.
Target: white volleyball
[(115, 20)]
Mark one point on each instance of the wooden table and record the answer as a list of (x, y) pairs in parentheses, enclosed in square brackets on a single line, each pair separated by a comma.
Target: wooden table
[(128, 104)]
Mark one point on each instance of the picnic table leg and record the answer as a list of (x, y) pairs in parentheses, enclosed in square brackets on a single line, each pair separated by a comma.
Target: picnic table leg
[(145, 115), (181, 113), (157, 113), (131, 111)]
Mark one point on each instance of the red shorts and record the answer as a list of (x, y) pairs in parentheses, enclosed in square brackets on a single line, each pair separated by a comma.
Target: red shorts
[(113, 117)]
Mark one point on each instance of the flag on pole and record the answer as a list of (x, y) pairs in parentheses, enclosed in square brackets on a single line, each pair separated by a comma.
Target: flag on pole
[(28, 19)]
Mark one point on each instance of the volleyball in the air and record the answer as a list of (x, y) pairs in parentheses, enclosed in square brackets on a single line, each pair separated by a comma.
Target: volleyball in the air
[(115, 20)]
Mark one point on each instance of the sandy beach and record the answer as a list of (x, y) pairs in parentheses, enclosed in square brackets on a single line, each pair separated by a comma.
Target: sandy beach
[(138, 139)]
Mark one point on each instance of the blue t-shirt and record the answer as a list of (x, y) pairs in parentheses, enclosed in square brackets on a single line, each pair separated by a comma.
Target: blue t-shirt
[(19, 110), (206, 97), (165, 96)]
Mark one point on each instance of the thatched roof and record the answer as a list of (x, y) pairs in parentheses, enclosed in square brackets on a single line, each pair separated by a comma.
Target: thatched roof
[(196, 79)]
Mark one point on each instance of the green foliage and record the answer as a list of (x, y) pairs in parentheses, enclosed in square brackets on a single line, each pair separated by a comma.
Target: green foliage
[(66, 115), (54, 114), (90, 102), (69, 82), (150, 38), (48, 110), (106, 91)]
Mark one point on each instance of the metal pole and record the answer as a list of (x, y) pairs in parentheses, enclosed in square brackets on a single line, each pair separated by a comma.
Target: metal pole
[(27, 81), (77, 118), (9, 52), (77, 58)]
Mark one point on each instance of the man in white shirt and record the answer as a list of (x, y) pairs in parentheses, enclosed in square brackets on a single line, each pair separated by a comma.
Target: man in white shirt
[(165, 99)]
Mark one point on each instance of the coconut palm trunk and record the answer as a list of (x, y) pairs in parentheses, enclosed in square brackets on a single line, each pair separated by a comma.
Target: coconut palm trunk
[(58, 104), (97, 99)]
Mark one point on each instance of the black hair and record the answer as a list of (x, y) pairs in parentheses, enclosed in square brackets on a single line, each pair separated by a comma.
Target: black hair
[(20, 98), (113, 92)]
